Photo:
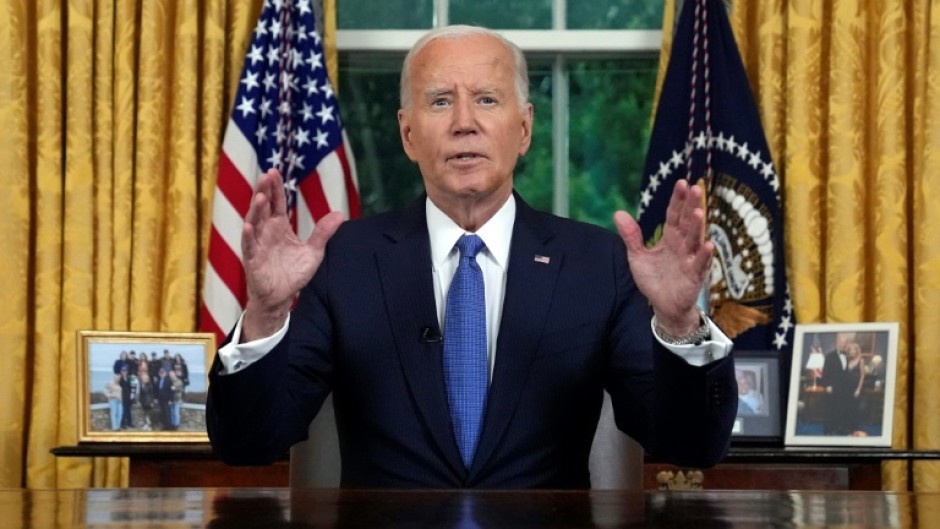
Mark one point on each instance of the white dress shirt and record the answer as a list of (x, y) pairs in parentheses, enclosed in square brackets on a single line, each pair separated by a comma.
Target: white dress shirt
[(493, 261)]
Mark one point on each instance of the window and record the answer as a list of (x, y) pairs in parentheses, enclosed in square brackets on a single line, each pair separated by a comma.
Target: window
[(592, 72)]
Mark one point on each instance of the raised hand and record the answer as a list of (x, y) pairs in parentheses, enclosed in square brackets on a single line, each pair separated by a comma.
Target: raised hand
[(671, 274), (277, 263)]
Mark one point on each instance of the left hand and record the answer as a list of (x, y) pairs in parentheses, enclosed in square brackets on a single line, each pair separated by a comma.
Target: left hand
[(671, 274)]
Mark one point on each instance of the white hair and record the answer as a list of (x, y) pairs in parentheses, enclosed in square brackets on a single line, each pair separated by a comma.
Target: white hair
[(458, 32)]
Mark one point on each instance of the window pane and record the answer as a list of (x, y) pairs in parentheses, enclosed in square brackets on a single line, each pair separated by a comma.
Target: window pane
[(502, 14), (609, 127), (369, 102), (384, 14), (615, 14), (533, 175)]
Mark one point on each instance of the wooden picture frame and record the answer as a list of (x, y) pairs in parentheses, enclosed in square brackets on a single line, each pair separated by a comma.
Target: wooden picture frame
[(165, 396), (842, 400), (759, 418)]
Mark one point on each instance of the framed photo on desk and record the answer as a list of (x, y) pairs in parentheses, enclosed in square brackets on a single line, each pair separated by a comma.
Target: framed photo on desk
[(759, 418), (842, 383), (143, 386)]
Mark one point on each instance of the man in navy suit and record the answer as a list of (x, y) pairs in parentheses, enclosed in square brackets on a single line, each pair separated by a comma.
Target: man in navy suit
[(568, 310)]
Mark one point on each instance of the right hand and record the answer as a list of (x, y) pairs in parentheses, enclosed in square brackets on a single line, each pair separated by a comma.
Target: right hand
[(277, 263)]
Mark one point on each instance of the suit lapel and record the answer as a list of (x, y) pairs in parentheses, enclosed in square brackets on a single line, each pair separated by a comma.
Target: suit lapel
[(530, 283), (405, 270)]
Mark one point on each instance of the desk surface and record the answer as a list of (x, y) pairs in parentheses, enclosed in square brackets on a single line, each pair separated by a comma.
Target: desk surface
[(282, 508)]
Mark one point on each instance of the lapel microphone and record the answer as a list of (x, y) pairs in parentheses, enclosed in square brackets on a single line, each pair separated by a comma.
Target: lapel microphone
[(430, 334)]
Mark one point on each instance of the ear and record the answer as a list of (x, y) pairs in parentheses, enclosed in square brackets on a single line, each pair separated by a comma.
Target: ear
[(404, 130), (528, 115)]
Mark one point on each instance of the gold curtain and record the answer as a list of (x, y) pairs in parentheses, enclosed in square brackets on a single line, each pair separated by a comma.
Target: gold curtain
[(113, 113), (849, 97)]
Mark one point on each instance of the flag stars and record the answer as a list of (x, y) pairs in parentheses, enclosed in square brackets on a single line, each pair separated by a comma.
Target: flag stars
[(676, 159), (255, 54), (646, 197), (767, 171), (296, 58), (296, 160), (276, 27), (311, 86), (743, 151), (700, 140), (780, 340), (321, 139), (755, 161), (273, 55), (269, 82), (664, 170), (250, 81), (327, 90), (275, 159), (261, 133), (247, 106), (731, 145), (654, 182), (303, 6), (307, 112), (325, 114), (265, 107), (260, 30), (290, 185), (301, 137), (315, 60), (302, 30)]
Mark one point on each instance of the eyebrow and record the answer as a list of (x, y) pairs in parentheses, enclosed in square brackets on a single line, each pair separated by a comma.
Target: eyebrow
[(436, 92)]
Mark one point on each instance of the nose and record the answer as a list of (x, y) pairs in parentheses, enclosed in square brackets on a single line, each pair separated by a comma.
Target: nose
[(464, 117)]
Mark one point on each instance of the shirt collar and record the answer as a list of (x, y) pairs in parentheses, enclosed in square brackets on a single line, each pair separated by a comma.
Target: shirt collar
[(496, 232)]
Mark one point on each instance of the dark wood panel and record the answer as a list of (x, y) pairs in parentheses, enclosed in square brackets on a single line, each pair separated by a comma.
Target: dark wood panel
[(151, 472)]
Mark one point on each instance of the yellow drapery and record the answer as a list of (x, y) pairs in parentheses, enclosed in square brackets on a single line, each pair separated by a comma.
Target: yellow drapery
[(849, 97), (113, 113)]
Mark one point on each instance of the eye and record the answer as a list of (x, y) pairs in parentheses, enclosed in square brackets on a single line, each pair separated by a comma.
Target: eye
[(439, 102), (487, 100)]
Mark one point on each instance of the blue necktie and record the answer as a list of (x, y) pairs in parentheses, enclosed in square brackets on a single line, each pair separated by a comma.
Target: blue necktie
[(465, 365)]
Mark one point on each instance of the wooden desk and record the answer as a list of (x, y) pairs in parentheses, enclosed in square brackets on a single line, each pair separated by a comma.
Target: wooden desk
[(181, 465), (766, 468), (282, 508)]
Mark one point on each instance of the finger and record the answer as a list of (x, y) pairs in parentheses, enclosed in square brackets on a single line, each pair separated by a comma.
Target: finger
[(629, 231), (276, 191), (325, 229), (676, 208)]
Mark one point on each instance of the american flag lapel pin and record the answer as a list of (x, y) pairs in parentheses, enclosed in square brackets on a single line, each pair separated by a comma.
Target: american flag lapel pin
[(544, 259)]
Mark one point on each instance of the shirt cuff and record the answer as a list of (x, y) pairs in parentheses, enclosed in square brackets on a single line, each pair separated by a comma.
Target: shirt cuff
[(715, 348), (236, 356)]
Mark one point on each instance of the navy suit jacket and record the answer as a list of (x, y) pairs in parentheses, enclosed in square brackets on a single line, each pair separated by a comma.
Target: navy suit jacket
[(572, 325)]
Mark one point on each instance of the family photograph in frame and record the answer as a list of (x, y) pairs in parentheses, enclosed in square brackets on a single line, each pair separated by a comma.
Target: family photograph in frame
[(759, 418), (143, 386), (842, 384)]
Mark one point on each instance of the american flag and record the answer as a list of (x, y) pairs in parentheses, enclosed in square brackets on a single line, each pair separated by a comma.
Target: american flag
[(285, 116)]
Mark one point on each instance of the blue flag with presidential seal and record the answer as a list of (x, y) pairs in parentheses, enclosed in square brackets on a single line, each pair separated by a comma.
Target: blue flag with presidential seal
[(707, 129)]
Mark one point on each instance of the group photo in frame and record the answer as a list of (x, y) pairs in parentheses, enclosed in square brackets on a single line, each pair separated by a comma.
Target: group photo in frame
[(759, 418), (842, 383), (143, 386)]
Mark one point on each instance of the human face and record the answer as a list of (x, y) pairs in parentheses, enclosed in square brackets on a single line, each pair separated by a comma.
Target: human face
[(465, 127)]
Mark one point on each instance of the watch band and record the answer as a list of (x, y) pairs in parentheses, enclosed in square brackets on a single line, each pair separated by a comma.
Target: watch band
[(695, 338)]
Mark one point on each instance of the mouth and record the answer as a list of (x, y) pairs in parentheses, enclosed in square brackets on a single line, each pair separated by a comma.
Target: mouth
[(465, 156)]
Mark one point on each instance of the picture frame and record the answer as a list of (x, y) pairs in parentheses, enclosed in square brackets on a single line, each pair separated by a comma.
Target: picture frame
[(165, 396), (842, 400), (759, 418)]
